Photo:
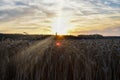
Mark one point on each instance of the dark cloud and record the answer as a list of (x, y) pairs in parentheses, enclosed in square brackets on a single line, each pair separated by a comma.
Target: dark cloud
[(14, 13), (19, 3), (115, 17)]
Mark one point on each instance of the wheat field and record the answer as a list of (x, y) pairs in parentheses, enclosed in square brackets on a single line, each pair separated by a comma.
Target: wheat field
[(85, 59)]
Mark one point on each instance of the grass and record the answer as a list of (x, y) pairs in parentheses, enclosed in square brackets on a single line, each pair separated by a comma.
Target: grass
[(96, 59)]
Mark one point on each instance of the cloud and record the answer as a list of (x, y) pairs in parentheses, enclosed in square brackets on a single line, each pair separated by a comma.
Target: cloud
[(19, 3), (85, 15), (110, 31), (26, 27), (9, 14), (91, 7), (16, 9)]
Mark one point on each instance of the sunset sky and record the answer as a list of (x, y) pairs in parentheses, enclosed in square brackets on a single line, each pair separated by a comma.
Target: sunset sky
[(63, 16)]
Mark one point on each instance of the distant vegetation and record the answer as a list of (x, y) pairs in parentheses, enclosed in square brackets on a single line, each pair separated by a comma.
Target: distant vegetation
[(22, 37), (40, 37), (94, 36)]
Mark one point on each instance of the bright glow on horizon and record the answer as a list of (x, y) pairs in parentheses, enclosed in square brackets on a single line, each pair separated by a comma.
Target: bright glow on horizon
[(61, 25)]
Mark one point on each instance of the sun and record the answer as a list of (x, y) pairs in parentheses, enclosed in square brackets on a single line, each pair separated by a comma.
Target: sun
[(60, 25)]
